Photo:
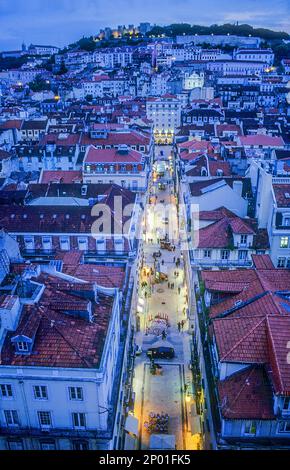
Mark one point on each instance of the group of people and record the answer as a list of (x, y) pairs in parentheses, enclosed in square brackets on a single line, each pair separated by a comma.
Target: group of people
[(180, 325)]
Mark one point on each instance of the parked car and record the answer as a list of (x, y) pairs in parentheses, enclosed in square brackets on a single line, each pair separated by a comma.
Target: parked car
[(161, 353)]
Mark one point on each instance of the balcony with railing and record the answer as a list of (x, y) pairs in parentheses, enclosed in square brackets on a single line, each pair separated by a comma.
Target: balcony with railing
[(25, 431), (223, 263), (244, 245), (35, 253)]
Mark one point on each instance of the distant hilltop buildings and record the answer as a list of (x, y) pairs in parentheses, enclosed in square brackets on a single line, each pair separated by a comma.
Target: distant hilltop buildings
[(122, 30), (33, 49)]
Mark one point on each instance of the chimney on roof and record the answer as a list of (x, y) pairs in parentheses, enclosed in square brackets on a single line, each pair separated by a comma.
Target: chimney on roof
[(123, 149), (238, 187), (9, 314)]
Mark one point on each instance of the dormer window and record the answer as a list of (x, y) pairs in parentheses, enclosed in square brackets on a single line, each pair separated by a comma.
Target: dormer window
[(22, 346)]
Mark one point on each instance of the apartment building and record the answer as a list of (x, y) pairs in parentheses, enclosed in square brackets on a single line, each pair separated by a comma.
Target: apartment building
[(248, 339), (59, 357), (272, 210), (165, 113), (224, 240), (123, 166), (99, 221), (255, 55)]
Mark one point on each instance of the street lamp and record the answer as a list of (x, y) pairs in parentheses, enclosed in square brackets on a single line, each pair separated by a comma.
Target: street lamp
[(188, 398)]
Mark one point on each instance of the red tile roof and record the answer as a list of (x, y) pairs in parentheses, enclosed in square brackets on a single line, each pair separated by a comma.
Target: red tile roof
[(251, 323), (221, 128), (282, 194), (11, 124), (61, 340), (220, 233), (264, 140), (117, 138), (279, 348), (241, 339), (95, 155), (246, 395), (215, 165), (63, 139), (68, 176), (262, 262), (195, 145), (106, 276)]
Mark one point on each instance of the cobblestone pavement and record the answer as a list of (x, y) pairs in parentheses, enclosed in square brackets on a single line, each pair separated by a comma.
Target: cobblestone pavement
[(164, 393)]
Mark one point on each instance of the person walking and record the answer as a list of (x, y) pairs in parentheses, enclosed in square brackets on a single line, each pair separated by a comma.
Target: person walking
[(182, 324), (178, 290), (179, 326)]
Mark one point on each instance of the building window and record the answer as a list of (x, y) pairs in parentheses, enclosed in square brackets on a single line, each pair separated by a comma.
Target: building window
[(80, 445), (16, 444), (250, 428), (11, 417), (225, 254), (64, 243), (286, 404), (6, 391), (79, 420), (40, 392), (243, 239), (44, 418), (22, 346), (284, 426), (76, 393), (284, 242), (83, 244), (48, 444), (243, 255), (47, 243), (207, 254), (29, 243), (281, 262)]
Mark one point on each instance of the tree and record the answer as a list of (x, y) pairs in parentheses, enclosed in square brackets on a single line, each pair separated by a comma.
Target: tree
[(39, 84), (62, 69)]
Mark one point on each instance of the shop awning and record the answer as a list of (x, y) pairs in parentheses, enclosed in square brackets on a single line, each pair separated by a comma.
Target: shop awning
[(162, 441), (132, 425), (130, 442), (195, 424)]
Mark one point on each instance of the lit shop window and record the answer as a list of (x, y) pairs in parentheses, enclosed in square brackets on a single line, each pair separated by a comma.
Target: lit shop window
[(284, 242)]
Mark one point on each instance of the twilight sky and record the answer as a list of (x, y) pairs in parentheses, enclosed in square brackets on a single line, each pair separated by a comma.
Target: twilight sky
[(60, 22)]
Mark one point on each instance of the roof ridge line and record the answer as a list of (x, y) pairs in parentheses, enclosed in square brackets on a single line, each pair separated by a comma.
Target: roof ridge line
[(274, 351), (68, 342), (241, 305), (244, 385), (246, 335)]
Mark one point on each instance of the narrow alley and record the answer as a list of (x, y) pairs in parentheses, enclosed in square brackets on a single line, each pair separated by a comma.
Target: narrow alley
[(164, 399)]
